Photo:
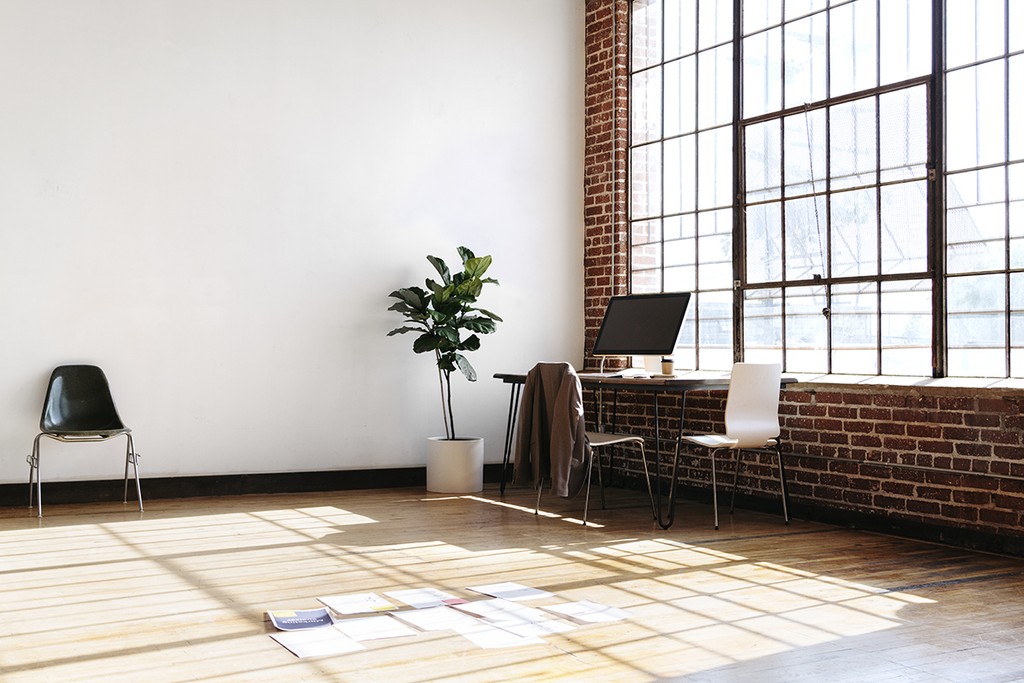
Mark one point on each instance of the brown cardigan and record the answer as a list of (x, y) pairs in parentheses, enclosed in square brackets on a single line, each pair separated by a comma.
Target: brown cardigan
[(551, 441)]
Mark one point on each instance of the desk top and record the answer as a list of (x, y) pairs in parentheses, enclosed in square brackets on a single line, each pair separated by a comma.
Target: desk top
[(686, 382), (679, 383)]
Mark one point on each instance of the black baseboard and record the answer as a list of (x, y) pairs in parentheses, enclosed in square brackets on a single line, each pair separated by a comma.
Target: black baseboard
[(63, 492)]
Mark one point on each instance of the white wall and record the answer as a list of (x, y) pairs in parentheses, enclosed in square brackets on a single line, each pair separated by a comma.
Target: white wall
[(211, 199)]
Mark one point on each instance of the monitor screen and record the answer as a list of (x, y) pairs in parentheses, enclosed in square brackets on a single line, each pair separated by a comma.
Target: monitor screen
[(641, 324)]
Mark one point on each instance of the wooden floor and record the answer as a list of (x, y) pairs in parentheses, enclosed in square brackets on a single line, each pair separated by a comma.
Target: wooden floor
[(103, 593)]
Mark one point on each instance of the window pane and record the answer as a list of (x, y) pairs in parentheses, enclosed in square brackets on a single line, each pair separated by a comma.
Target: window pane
[(906, 318), (852, 144), (680, 254), (762, 161), (854, 233), (680, 181), (764, 243), (714, 249), (1015, 95), (854, 318), (680, 28), (1017, 325), (806, 330), (714, 168), (903, 118), (806, 168), (798, 8), (762, 66), (645, 181), (714, 22), (853, 48), (975, 30), (646, 232), (976, 325), (1016, 24), (762, 14), (645, 32), (904, 228), (762, 326), (645, 105), (680, 114), (906, 39), (805, 238), (976, 221), (646, 248), (975, 122), (1016, 215), (714, 311), (805, 60), (714, 78), (685, 354), (643, 281)]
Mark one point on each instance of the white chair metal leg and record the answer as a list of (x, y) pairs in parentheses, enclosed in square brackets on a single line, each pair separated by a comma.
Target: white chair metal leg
[(714, 487), (586, 497), (782, 484)]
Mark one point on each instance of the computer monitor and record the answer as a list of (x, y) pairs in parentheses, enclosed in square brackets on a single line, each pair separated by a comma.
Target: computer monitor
[(642, 324)]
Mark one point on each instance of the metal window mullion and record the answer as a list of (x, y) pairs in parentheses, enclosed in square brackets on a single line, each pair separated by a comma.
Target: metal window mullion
[(739, 241), (937, 192), (878, 188), (1006, 182)]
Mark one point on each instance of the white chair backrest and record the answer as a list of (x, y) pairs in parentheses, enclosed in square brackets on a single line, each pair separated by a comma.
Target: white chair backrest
[(752, 408)]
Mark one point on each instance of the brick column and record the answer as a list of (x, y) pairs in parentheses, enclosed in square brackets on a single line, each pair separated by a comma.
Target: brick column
[(606, 239)]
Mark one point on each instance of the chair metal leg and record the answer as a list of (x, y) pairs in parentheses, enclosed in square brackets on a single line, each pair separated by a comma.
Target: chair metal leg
[(647, 475), (540, 489), (586, 497), (782, 484), (714, 487), (33, 469), (33, 463), (735, 479), (132, 457)]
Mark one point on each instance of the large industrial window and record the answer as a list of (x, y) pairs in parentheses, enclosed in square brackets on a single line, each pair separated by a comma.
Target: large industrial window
[(839, 197)]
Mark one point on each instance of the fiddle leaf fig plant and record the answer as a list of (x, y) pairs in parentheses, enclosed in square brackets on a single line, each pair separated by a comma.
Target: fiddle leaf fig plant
[(441, 313)]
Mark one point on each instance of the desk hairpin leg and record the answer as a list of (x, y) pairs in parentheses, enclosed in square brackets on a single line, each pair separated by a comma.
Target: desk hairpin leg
[(671, 506), (513, 411)]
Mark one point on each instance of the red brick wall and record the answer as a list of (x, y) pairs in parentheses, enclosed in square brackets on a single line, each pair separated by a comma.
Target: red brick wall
[(941, 463), (605, 265)]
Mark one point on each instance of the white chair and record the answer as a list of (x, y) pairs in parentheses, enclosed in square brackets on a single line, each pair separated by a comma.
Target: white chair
[(751, 422), (552, 443), (599, 440)]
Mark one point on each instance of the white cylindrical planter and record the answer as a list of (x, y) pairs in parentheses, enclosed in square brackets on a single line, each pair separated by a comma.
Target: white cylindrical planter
[(455, 465)]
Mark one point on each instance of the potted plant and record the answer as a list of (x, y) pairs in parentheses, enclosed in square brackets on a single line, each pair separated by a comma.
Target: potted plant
[(441, 314)]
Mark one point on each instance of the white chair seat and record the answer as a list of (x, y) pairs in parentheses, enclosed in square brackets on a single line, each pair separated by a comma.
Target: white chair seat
[(718, 440), (599, 439)]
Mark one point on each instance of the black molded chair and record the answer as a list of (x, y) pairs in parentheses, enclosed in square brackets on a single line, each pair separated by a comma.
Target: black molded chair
[(78, 407)]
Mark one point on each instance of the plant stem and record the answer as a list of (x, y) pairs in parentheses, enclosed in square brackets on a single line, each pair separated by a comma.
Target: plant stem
[(451, 413), (444, 413)]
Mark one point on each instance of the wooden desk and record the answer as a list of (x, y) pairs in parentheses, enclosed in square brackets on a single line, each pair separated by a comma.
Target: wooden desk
[(655, 385)]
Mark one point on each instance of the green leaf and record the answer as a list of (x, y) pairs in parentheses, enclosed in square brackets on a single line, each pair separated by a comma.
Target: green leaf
[(442, 269), (490, 315), (426, 342), (475, 267), (466, 367), (481, 325), (403, 330)]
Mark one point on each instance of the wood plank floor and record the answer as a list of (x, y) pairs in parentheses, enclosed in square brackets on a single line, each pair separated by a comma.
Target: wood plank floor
[(103, 593)]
